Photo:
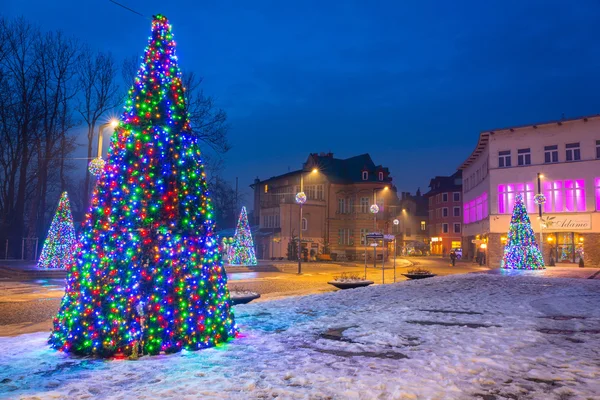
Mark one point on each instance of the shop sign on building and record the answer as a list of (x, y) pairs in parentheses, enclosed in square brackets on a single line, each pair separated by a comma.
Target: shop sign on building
[(567, 222)]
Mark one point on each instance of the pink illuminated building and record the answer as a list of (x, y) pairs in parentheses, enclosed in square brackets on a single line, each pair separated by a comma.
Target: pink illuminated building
[(506, 162)]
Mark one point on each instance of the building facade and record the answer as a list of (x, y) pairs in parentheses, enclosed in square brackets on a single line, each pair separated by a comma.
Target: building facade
[(337, 214), (506, 162), (412, 230), (445, 213)]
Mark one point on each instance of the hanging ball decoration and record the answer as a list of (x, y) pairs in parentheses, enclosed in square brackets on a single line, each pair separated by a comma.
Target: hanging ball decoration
[(374, 209), (539, 199), (96, 166), (300, 198), (396, 222)]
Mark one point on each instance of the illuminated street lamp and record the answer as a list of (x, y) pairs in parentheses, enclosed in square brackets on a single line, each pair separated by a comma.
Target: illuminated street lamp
[(96, 166)]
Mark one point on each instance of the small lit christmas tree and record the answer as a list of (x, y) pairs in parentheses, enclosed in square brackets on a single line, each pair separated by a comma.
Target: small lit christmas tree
[(61, 243), (241, 251), (148, 276), (521, 250)]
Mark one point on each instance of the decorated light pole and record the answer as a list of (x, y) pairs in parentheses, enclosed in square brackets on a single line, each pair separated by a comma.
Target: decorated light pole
[(96, 166)]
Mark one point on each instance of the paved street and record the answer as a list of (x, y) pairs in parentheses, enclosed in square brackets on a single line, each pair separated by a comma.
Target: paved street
[(29, 306)]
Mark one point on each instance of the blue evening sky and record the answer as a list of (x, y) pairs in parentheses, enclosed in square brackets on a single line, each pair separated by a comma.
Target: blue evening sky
[(410, 82)]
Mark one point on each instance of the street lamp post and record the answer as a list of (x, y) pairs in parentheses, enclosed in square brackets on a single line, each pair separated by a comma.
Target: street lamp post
[(301, 199), (96, 166), (540, 201), (374, 210), (396, 222)]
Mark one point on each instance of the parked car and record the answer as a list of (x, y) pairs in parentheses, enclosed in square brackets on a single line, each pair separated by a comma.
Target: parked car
[(458, 253)]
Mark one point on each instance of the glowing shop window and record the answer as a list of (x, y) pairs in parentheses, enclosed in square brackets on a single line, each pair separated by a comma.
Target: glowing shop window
[(574, 195), (484, 202), (565, 196), (472, 211), (508, 192)]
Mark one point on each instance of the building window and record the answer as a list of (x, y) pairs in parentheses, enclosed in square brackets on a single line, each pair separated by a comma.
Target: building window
[(456, 196), (550, 154), (437, 198), (476, 209), (277, 221), (597, 148), (365, 175), (320, 192), (524, 156), (364, 205), (310, 191), (597, 194), (507, 193), (350, 209), (424, 223), (504, 159), (304, 224), (437, 213), (266, 188), (265, 221), (381, 176), (457, 228), (344, 236), (573, 152), (456, 212), (341, 206), (444, 197), (363, 236), (445, 212), (567, 195), (408, 231), (444, 228)]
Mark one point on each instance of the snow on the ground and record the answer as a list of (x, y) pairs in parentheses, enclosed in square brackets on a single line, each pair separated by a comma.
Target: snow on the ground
[(454, 337)]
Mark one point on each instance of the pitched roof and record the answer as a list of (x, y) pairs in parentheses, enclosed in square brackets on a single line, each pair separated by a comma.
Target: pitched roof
[(338, 170)]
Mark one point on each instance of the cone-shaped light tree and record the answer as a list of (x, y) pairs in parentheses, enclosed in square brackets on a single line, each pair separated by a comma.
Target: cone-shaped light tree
[(521, 250), (241, 251), (61, 244), (148, 276)]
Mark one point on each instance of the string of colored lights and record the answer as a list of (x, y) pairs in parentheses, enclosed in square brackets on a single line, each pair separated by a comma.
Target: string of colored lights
[(521, 250), (148, 277), (60, 244), (241, 251)]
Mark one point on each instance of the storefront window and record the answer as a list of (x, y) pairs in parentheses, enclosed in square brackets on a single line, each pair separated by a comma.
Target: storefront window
[(564, 248)]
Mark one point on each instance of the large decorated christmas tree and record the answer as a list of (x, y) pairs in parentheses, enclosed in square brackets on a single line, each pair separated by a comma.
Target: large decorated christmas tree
[(241, 251), (61, 243), (148, 275), (521, 250)]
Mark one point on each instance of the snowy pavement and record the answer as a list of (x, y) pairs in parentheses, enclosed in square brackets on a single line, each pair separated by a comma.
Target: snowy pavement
[(455, 337)]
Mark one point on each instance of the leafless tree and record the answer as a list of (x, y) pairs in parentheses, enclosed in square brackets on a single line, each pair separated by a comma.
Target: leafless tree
[(99, 94), (19, 118), (56, 67)]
